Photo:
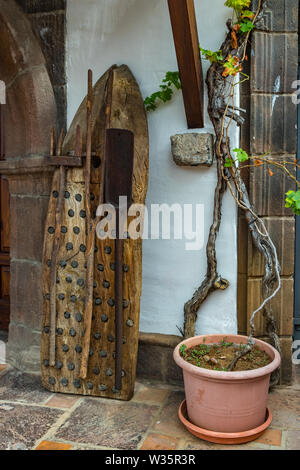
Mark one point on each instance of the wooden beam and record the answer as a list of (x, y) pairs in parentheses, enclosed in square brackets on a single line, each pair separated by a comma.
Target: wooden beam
[(65, 161), (184, 26)]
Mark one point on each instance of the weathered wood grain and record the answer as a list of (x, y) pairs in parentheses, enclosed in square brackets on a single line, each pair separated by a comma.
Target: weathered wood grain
[(127, 112), (185, 33)]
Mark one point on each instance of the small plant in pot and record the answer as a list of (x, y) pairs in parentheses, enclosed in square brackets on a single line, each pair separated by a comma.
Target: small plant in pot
[(230, 403)]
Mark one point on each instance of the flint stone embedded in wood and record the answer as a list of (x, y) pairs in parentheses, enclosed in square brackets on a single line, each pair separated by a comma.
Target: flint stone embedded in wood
[(192, 149)]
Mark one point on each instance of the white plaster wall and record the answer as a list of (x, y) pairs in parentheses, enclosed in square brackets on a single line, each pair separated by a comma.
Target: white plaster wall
[(138, 33)]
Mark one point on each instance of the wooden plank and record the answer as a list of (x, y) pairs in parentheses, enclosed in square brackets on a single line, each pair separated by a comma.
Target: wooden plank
[(4, 259), (64, 377), (4, 314), (66, 161), (185, 33), (5, 281)]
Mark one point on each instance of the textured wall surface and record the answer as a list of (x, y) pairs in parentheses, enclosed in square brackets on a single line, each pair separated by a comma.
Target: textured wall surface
[(272, 128), (47, 18), (140, 36), (30, 115)]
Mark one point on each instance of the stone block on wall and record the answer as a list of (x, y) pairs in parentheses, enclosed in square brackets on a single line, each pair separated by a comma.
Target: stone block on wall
[(27, 238), (26, 287), (29, 183), (192, 149), (286, 364), (23, 348), (31, 114), (276, 69), (155, 358), (150, 362), (286, 367), (268, 192), (50, 30), (242, 301), (282, 232), (282, 307), (280, 15), (273, 124)]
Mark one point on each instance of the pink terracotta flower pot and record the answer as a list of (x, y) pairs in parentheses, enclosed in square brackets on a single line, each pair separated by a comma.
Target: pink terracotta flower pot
[(226, 401)]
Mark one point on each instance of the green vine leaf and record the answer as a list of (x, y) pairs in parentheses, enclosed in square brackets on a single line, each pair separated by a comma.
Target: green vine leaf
[(246, 26), (228, 162), (241, 155), (292, 201), (169, 82), (238, 5), (232, 66), (247, 14), (212, 56)]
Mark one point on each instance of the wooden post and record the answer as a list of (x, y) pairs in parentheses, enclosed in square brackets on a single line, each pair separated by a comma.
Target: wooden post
[(184, 26)]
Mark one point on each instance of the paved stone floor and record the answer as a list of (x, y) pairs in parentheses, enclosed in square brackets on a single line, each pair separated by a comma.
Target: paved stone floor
[(33, 418)]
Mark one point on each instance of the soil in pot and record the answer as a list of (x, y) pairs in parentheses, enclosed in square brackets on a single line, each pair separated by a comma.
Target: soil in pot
[(218, 356)]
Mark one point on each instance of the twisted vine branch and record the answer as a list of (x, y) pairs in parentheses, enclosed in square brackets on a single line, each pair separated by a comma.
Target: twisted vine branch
[(222, 111)]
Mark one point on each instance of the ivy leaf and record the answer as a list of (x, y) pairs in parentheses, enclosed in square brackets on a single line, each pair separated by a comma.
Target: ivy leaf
[(246, 26), (238, 5), (171, 79), (241, 155)]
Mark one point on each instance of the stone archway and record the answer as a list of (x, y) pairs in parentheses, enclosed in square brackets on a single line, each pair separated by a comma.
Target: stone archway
[(30, 113)]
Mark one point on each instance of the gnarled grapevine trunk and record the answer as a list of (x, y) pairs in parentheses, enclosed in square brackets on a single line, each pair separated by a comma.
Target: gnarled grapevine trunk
[(222, 112)]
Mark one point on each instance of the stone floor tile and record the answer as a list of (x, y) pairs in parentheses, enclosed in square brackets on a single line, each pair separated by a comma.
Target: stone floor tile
[(62, 401), (49, 445), (159, 442), (21, 426), (285, 407), (108, 423), (271, 437), (168, 422), (293, 440), (204, 445), (15, 386), (150, 394)]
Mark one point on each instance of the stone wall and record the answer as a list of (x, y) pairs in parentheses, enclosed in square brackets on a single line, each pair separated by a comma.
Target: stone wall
[(30, 113), (48, 21), (271, 128)]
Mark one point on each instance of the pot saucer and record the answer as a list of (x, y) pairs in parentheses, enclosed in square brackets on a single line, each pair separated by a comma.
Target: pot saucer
[(223, 437)]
